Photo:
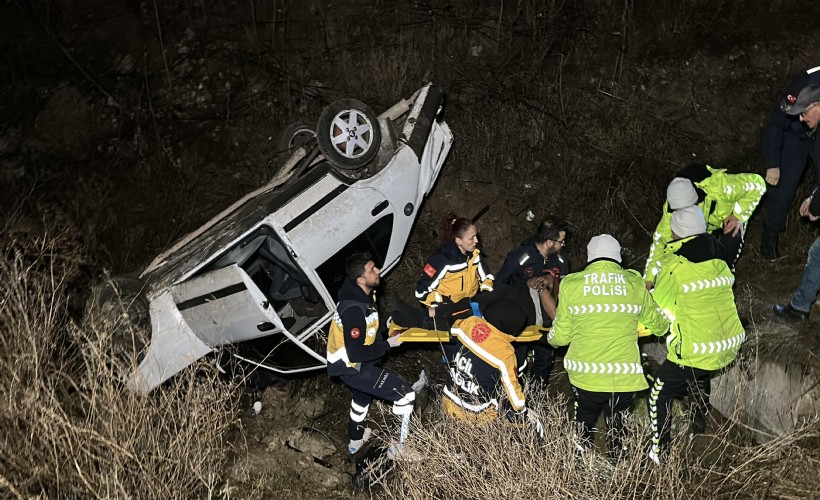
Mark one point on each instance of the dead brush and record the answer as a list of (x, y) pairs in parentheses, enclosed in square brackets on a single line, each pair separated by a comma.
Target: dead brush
[(70, 427), (446, 458)]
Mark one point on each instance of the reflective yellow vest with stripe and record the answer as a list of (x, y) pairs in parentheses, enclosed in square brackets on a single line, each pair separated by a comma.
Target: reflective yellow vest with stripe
[(336, 350), (726, 194), (597, 315), (699, 301)]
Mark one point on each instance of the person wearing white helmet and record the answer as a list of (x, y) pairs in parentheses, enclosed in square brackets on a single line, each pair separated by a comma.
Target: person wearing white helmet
[(598, 316), (694, 290), (726, 200)]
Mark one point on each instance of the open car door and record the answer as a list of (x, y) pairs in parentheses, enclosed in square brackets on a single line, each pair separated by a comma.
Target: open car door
[(261, 303)]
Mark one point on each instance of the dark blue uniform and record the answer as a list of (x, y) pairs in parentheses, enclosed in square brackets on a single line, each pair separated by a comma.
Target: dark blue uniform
[(354, 349), (521, 264), (786, 145)]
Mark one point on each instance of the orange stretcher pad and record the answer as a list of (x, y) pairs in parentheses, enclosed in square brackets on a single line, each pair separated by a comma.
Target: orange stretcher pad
[(530, 334)]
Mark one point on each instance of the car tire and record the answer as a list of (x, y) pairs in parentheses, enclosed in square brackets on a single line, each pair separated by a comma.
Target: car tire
[(349, 134), (296, 134)]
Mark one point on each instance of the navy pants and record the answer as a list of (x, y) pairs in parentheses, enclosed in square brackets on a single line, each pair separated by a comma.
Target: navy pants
[(543, 357), (373, 381), (777, 200)]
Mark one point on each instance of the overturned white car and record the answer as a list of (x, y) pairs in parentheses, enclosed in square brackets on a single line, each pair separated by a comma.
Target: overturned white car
[(262, 276)]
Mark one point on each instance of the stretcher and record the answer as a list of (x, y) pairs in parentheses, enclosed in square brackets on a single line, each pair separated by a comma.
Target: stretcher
[(531, 333)]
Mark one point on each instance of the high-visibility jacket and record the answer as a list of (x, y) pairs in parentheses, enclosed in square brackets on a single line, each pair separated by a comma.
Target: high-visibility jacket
[(449, 276), (354, 336), (481, 366), (598, 313), (697, 298), (726, 194)]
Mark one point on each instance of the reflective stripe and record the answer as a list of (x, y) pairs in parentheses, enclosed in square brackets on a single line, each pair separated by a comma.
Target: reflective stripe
[(539, 318), (602, 368), (370, 318), (723, 345), (481, 275), (605, 308), (357, 407), (404, 406), (407, 399), (441, 275), (467, 406), (505, 375), (340, 355), (358, 413), (696, 286), (653, 416)]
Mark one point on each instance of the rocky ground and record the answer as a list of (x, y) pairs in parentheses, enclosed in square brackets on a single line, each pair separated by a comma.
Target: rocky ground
[(137, 121)]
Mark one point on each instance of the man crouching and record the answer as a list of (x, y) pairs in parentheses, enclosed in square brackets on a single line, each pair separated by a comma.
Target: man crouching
[(355, 347)]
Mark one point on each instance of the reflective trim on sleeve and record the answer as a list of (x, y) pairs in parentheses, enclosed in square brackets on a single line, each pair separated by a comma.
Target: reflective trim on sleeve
[(695, 286), (715, 347)]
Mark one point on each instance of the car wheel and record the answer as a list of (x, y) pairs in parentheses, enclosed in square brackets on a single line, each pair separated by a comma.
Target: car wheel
[(295, 135), (348, 134)]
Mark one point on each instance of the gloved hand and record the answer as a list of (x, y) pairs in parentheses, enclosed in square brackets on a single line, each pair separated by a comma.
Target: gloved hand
[(394, 341), (535, 420), (643, 331), (773, 175)]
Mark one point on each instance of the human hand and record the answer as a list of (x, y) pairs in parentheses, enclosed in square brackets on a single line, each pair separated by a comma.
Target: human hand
[(732, 225), (804, 209), (650, 285), (773, 175), (540, 283), (394, 341)]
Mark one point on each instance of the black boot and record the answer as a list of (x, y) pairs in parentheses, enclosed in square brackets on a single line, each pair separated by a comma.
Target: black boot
[(768, 246)]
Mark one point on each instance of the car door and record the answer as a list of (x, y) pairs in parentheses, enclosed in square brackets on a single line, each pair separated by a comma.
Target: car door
[(227, 306)]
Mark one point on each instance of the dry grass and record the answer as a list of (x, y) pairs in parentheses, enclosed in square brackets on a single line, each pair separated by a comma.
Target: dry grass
[(453, 460), (70, 428)]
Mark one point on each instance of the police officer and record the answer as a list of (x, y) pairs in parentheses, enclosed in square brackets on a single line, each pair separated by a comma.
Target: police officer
[(538, 265), (694, 289), (355, 347), (727, 202), (453, 274), (598, 317), (786, 145)]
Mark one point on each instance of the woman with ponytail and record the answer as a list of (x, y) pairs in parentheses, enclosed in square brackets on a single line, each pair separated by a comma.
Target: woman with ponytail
[(453, 274)]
